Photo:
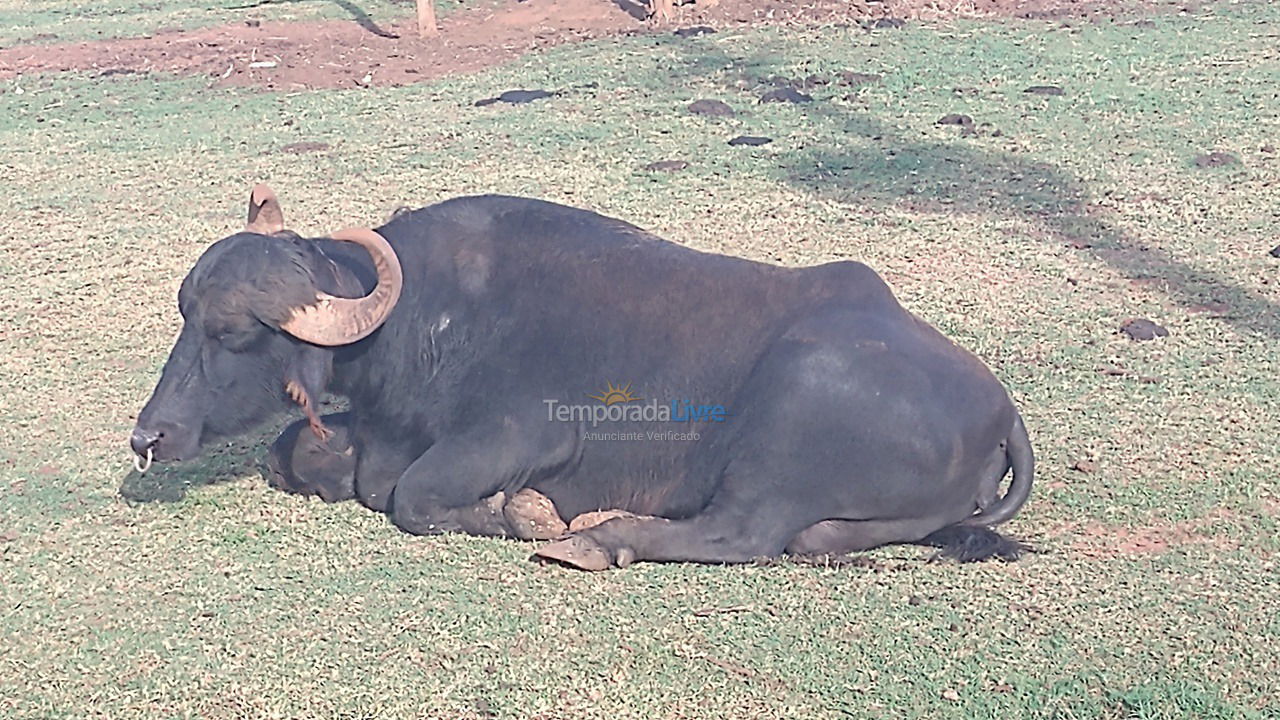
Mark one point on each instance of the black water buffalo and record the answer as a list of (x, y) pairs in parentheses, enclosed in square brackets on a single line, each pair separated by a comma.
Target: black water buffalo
[(492, 344)]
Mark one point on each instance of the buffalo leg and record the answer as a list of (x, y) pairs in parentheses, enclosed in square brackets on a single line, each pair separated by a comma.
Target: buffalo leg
[(382, 462), (847, 536), (711, 537), (424, 517), (461, 483)]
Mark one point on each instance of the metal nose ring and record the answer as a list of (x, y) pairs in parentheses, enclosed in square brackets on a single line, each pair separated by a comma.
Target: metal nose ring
[(142, 465)]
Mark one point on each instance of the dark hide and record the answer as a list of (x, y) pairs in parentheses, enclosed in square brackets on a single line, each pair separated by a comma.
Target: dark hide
[(847, 422)]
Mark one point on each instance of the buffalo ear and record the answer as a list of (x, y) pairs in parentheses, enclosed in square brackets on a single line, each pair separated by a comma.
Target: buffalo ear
[(265, 215), (306, 376)]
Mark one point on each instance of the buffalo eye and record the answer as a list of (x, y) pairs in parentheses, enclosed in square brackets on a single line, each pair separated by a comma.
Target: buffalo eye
[(234, 339)]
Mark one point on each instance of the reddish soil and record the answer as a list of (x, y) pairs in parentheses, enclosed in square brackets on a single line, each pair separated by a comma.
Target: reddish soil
[(337, 54), (1097, 540)]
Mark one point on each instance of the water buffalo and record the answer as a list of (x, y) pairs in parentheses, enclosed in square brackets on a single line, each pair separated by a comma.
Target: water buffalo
[(489, 345)]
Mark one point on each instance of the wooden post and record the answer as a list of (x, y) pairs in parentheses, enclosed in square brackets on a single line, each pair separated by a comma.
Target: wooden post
[(427, 18), (660, 11)]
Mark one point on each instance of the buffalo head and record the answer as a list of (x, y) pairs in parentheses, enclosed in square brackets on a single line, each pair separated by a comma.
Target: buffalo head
[(261, 310)]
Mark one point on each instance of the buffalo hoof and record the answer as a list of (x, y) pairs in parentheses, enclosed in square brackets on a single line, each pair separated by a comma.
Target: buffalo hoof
[(592, 519), (578, 551), (532, 516)]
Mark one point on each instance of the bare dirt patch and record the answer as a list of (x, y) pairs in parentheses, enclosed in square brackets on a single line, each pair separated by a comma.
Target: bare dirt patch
[(333, 54), (343, 54), (1102, 541)]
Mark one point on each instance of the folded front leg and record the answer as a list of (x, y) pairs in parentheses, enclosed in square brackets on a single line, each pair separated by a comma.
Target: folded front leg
[(454, 486)]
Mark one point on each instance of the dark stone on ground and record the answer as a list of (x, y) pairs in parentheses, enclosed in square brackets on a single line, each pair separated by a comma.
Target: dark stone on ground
[(956, 119), (1045, 90), (711, 108), (750, 140), (516, 97), (1142, 329), (785, 94)]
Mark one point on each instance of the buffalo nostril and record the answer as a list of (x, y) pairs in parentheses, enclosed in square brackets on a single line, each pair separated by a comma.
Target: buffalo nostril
[(143, 440)]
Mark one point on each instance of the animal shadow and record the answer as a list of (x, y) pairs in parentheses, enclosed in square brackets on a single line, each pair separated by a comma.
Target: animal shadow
[(170, 483)]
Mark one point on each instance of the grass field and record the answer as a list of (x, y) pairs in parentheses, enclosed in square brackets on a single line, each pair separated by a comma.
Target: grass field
[(195, 591)]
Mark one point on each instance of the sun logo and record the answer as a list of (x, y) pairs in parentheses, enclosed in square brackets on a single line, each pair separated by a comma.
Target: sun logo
[(614, 395)]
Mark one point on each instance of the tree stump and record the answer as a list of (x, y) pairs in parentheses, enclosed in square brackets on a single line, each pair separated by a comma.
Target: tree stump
[(427, 26)]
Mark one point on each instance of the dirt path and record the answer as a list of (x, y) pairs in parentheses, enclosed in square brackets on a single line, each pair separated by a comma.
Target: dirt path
[(338, 54)]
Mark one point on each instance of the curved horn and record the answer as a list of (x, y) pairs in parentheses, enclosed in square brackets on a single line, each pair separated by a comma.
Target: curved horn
[(338, 321), (265, 215)]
